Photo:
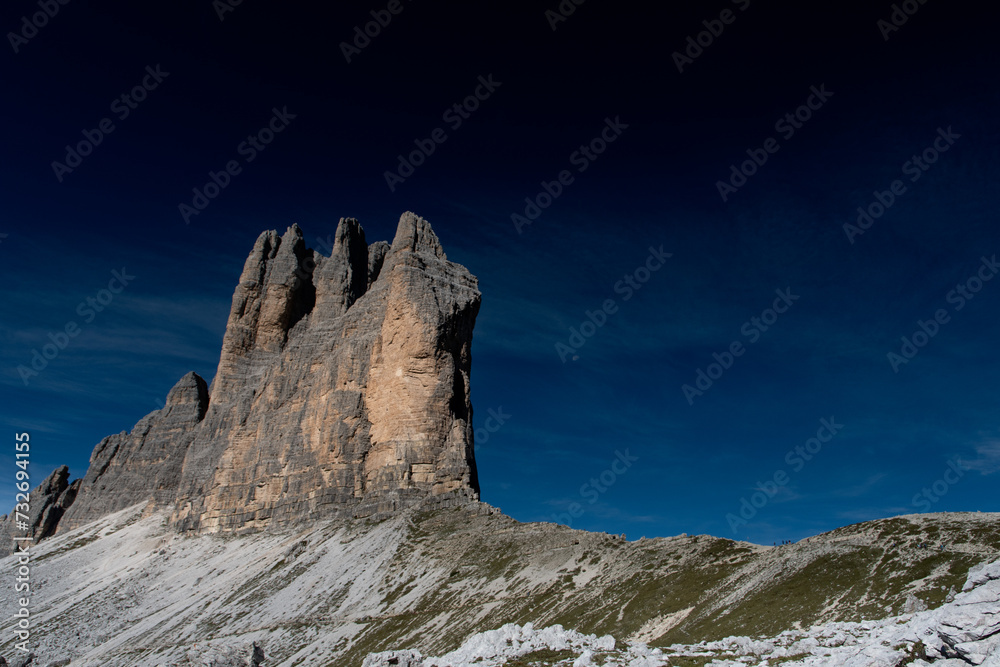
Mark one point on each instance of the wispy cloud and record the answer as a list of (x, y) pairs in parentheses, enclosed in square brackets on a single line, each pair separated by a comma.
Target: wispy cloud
[(858, 490), (987, 460)]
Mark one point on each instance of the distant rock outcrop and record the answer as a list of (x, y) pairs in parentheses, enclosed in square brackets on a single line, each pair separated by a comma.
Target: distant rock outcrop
[(48, 503), (342, 389)]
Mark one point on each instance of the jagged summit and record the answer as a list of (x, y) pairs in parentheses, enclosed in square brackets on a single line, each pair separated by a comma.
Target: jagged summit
[(415, 235), (342, 389), (189, 396), (50, 500)]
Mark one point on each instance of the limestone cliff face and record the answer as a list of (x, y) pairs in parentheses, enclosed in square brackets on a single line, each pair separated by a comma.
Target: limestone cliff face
[(144, 464), (342, 389)]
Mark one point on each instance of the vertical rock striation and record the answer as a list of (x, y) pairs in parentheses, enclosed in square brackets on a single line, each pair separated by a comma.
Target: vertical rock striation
[(342, 389)]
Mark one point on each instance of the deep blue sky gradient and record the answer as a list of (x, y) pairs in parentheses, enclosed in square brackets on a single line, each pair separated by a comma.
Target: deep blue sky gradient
[(655, 185)]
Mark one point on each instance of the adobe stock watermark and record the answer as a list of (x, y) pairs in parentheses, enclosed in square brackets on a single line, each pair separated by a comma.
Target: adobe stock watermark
[(455, 116), (592, 490), (562, 12), (939, 489), (958, 298), (581, 158), (629, 284), (223, 7), (31, 25), (915, 167), (787, 126), (122, 107), (493, 423), (753, 329), (363, 36), (86, 309), (901, 13), (248, 149), (714, 28), (21, 517), (796, 460)]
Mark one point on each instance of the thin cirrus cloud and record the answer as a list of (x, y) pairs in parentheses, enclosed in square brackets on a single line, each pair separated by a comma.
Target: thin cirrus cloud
[(862, 489), (134, 330), (987, 459)]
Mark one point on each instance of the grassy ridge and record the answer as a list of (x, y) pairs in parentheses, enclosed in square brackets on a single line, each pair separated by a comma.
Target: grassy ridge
[(599, 584)]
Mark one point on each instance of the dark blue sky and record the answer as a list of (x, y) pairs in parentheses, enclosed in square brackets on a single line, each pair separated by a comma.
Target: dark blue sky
[(693, 460)]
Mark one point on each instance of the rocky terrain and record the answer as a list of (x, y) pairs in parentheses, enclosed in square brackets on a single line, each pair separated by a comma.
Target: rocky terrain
[(317, 504), (129, 589), (964, 631)]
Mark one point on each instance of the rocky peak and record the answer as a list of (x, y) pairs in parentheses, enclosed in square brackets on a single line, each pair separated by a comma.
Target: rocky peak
[(275, 291), (144, 464), (414, 234), (188, 398), (55, 483), (342, 390), (343, 278), (49, 501)]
